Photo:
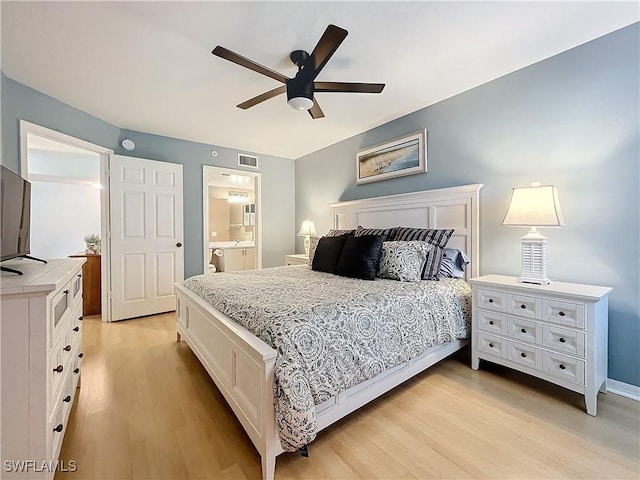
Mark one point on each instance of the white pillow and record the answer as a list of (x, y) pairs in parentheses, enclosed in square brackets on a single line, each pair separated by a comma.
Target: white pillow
[(403, 260)]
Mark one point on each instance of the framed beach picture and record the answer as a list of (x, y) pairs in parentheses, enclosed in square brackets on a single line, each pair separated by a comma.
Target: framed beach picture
[(395, 158)]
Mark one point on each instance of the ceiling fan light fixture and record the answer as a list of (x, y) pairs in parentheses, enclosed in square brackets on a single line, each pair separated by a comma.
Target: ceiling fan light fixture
[(300, 103)]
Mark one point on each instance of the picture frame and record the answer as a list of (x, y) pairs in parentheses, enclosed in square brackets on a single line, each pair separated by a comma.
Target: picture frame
[(395, 158)]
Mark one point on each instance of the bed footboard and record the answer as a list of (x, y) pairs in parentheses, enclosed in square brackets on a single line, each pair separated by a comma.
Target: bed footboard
[(240, 364)]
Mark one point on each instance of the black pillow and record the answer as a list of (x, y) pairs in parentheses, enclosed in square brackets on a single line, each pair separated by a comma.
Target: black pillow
[(360, 257), (328, 253)]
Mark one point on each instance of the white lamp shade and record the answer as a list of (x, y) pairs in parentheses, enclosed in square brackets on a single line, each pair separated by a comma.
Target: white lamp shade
[(307, 228), (534, 207), (300, 103)]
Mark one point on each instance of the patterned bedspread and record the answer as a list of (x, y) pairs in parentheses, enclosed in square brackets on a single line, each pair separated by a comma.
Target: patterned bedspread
[(333, 332)]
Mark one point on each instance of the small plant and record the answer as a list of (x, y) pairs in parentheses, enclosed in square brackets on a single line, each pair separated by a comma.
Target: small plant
[(92, 238)]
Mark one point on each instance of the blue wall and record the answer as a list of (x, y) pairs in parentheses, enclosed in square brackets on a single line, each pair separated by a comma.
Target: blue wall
[(571, 120), (278, 184)]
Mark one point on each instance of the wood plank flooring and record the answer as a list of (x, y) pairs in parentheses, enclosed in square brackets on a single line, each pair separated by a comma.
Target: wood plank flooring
[(147, 409)]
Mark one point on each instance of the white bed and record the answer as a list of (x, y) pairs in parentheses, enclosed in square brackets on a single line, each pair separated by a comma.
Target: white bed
[(242, 366)]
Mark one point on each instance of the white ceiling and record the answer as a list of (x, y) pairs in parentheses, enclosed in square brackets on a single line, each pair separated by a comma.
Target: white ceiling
[(148, 66)]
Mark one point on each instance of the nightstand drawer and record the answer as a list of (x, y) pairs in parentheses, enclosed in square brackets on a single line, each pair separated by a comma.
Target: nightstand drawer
[(526, 355), (492, 322), (568, 341), (525, 306), (491, 300), (525, 330), (492, 345), (564, 367), (564, 313)]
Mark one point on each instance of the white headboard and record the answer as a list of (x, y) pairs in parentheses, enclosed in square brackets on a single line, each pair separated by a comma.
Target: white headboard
[(454, 207)]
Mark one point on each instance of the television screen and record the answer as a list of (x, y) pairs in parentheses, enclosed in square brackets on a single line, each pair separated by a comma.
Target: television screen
[(15, 208)]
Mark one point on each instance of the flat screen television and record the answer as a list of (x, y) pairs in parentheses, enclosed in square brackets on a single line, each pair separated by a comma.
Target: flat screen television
[(15, 208)]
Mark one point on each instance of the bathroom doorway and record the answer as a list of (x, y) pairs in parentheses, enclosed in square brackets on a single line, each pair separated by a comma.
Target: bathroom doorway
[(231, 219)]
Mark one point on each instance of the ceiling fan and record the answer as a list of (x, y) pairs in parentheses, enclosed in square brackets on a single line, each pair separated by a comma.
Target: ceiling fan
[(301, 88)]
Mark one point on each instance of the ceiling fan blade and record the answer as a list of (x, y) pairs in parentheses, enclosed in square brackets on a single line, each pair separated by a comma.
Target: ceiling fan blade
[(250, 64), (316, 111), (326, 47), (262, 97), (349, 87)]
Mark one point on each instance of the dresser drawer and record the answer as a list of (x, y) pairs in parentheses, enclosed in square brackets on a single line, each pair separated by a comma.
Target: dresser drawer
[(491, 300), (492, 322), (526, 355), (525, 306), (564, 313), (60, 305), (564, 340), (76, 289), (57, 426), (564, 367), (525, 330), (492, 345), (60, 362)]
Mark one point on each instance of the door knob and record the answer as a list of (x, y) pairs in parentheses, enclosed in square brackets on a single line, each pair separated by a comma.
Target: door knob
[(178, 244)]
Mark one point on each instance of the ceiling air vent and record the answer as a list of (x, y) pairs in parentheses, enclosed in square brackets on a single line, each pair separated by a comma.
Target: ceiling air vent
[(247, 161)]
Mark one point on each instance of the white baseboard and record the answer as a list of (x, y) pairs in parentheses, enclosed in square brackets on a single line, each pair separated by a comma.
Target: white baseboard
[(623, 389)]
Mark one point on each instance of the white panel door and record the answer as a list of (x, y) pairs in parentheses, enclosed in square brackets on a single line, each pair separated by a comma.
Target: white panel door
[(146, 236)]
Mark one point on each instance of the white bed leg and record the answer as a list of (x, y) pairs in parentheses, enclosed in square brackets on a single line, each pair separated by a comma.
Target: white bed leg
[(268, 467)]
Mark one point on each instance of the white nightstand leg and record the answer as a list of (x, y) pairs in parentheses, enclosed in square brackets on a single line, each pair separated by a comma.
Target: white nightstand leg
[(475, 362), (590, 400)]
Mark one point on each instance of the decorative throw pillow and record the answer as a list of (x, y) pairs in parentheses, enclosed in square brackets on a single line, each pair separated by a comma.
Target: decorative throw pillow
[(387, 232), (453, 263), (360, 257), (328, 253), (403, 261), (313, 244), (339, 233), (438, 238)]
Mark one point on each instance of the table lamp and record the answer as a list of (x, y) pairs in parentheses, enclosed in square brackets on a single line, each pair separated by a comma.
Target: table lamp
[(306, 230), (534, 206)]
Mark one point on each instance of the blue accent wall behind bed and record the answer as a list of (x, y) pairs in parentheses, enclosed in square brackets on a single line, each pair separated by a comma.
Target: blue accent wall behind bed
[(571, 120)]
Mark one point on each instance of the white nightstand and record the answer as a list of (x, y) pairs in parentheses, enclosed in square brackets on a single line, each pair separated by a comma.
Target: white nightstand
[(296, 259), (556, 332)]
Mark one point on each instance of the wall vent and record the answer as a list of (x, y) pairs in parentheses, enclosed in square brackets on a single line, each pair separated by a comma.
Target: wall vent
[(247, 161)]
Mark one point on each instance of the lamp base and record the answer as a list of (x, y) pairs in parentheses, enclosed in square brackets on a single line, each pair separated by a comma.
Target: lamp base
[(534, 259), (307, 245)]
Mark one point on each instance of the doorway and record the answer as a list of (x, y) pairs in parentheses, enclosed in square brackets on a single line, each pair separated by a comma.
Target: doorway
[(69, 203), (232, 220)]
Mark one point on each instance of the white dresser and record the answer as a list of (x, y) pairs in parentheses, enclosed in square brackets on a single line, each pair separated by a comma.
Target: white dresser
[(40, 359), (556, 332)]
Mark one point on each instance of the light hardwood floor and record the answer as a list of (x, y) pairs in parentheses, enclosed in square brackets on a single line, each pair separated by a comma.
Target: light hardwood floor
[(147, 409)]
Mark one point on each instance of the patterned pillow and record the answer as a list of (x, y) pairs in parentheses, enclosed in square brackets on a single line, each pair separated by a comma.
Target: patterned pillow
[(453, 264), (438, 238), (313, 244), (339, 233), (403, 260), (387, 232)]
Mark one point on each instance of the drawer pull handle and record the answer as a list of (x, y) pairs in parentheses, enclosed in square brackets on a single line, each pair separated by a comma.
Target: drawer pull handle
[(76, 370), (80, 318), (523, 306), (58, 428), (491, 300), (80, 355), (79, 275), (58, 369), (490, 322), (562, 314), (523, 330), (67, 399), (66, 292), (523, 355), (67, 348), (76, 329), (491, 345), (561, 366), (562, 340)]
